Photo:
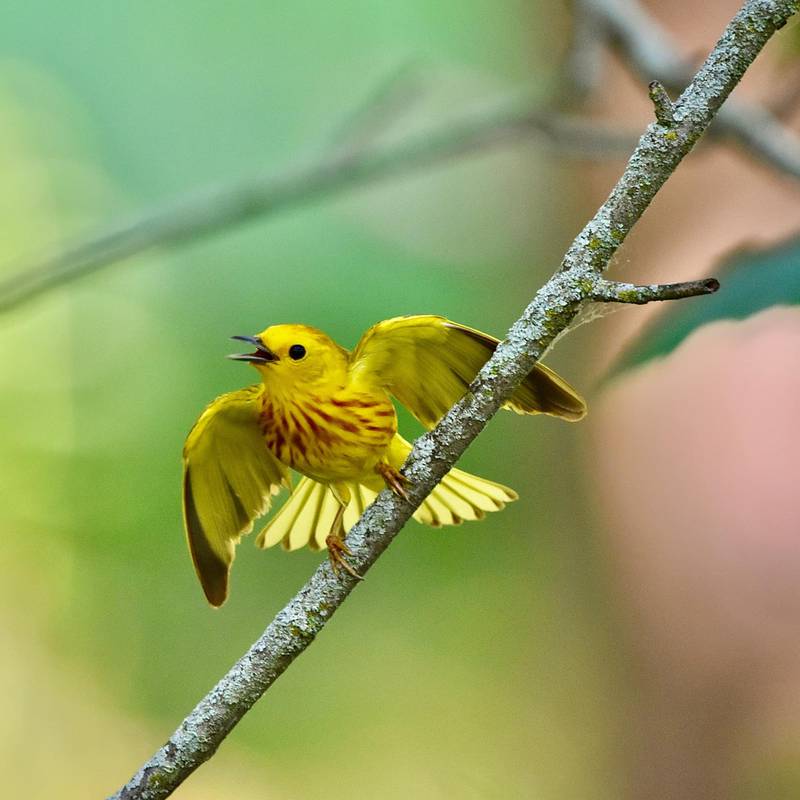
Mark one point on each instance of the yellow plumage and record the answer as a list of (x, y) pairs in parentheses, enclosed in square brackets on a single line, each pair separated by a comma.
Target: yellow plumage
[(328, 414)]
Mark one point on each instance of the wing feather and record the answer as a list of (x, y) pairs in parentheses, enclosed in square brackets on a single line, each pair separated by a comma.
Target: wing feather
[(229, 476), (427, 362)]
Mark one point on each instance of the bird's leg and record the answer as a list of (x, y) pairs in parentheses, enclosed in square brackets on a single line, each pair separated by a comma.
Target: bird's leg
[(337, 549), (393, 478)]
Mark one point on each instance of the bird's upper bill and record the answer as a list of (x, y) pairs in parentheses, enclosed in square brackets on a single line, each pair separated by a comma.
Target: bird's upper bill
[(263, 354)]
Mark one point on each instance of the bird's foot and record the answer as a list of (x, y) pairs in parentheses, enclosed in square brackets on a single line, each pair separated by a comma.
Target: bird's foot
[(394, 479), (337, 550)]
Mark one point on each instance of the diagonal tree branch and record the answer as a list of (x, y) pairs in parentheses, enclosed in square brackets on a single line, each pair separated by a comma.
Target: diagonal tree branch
[(577, 281)]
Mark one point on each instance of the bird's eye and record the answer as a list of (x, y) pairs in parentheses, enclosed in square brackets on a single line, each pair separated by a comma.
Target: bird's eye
[(296, 352)]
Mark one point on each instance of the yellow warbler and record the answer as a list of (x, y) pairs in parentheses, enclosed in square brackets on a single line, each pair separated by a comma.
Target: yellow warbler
[(328, 414)]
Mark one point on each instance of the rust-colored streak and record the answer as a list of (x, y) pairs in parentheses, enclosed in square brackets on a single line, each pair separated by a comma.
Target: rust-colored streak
[(335, 422), (348, 426), (319, 432), (311, 423), (295, 418), (323, 415), (353, 402)]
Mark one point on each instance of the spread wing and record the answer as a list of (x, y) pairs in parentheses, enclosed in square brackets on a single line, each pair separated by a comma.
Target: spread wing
[(427, 362), (229, 476)]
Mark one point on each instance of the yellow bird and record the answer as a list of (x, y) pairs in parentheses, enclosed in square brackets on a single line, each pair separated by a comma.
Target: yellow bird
[(328, 414)]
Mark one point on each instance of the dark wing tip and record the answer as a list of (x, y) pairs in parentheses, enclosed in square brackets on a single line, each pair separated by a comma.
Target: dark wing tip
[(569, 407), (561, 400), (210, 568), (216, 590), (545, 392)]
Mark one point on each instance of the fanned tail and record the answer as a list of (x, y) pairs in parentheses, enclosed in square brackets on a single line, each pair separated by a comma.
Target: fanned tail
[(461, 497), (307, 515)]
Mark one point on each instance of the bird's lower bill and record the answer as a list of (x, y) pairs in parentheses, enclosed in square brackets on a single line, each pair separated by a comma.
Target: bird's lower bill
[(253, 358)]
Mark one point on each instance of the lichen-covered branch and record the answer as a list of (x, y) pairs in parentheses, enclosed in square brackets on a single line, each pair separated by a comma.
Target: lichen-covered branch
[(555, 305), (605, 291)]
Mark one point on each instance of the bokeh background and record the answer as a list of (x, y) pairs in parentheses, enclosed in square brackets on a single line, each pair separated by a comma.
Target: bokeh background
[(629, 628)]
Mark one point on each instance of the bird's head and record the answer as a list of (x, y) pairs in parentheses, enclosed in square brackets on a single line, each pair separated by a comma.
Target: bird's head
[(292, 355)]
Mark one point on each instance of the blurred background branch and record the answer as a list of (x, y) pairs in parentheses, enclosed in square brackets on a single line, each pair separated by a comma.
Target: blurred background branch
[(577, 282), (652, 54), (353, 158), (350, 163)]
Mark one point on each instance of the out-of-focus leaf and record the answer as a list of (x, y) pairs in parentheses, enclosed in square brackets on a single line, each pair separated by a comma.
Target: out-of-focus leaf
[(790, 42), (752, 280)]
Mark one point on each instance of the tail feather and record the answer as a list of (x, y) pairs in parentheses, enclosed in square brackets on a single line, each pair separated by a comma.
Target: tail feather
[(323, 521), (460, 508), (300, 513), (462, 497), (307, 515), (486, 495)]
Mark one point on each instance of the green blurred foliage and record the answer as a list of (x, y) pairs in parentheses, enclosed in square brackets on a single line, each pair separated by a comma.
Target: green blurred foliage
[(789, 39), (468, 664), (751, 281)]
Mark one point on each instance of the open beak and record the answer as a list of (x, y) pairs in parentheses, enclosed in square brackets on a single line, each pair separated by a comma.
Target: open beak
[(263, 354)]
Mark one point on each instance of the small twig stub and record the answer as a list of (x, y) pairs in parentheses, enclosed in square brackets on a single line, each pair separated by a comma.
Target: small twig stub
[(665, 110), (605, 291)]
